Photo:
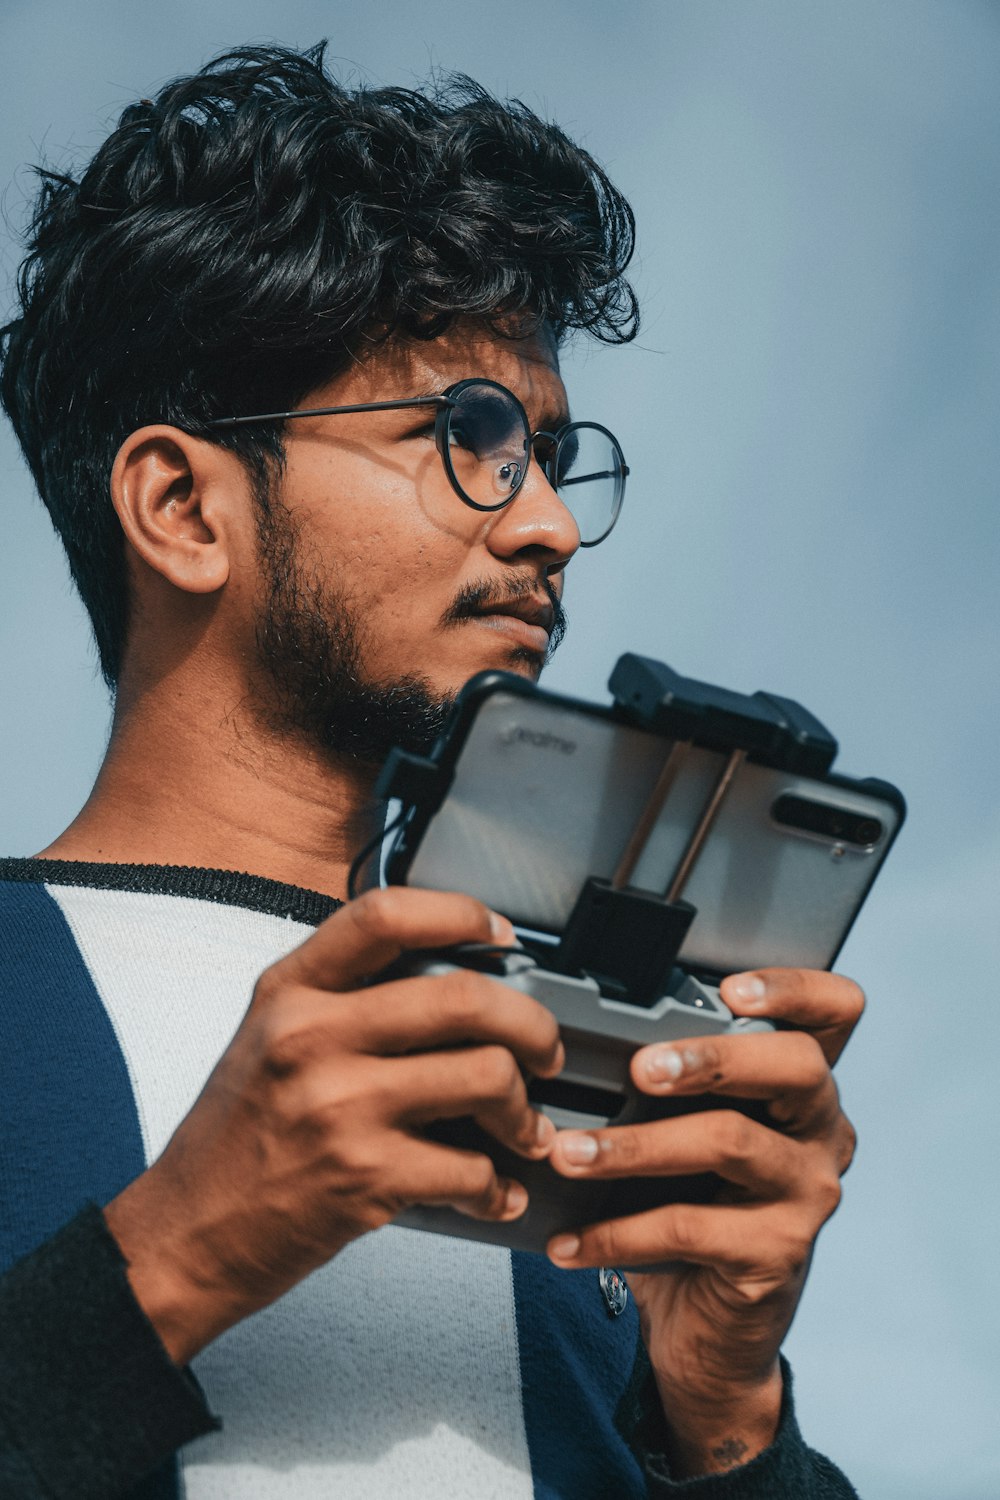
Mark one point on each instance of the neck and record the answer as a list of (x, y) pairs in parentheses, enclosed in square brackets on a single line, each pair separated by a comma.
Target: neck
[(181, 785)]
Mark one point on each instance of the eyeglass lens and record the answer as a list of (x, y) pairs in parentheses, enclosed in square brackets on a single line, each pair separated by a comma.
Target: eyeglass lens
[(589, 477), (487, 450), (488, 441)]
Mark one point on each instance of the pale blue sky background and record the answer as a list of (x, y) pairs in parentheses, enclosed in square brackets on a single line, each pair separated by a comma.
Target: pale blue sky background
[(811, 415)]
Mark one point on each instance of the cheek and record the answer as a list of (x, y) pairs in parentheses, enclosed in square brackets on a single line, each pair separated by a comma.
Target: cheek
[(392, 537), (401, 529)]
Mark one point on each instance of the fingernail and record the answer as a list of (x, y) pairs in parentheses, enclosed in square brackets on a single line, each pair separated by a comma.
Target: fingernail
[(581, 1150), (501, 930), (515, 1200), (750, 989), (544, 1130), (564, 1246), (664, 1065)]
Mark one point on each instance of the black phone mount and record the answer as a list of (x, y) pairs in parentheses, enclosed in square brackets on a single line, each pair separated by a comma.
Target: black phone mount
[(772, 731), (628, 939)]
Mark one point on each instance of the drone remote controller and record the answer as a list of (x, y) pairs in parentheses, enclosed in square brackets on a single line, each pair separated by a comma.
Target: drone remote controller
[(593, 1090), (681, 834)]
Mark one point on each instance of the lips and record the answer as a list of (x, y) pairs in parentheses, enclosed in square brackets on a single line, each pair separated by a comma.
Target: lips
[(531, 610), (529, 617)]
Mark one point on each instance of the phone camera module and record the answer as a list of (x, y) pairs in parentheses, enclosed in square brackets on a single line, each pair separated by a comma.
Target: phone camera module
[(827, 821)]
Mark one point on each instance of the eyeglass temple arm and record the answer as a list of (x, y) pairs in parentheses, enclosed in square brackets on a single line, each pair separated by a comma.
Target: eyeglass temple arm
[(331, 411), (600, 474)]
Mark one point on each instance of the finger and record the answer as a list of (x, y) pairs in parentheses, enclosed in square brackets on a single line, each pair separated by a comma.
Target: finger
[(786, 1067), (724, 1141), (760, 1241), (484, 1082), (828, 1005), (407, 1015), (366, 935), (446, 1177)]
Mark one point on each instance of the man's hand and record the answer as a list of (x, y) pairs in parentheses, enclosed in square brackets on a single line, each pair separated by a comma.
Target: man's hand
[(308, 1132), (714, 1325)]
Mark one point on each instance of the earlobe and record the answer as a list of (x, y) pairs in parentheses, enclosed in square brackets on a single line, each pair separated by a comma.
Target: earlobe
[(166, 489)]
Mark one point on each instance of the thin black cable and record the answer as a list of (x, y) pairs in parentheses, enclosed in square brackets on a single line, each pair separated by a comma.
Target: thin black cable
[(362, 857)]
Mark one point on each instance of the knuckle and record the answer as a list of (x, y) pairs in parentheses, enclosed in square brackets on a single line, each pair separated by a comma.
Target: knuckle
[(330, 1109), (481, 1188), (769, 1269), (856, 999), (815, 1069), (460, 997), (735, 1137), (710, 1058), (269, 986), (847, 1145), (756, 1290), (683, 1230), (552, 1033), (828, 1193), (477, 915), (285, 1050), (789, 981), (482, 1177), (498, 1073), (290, 1041), (379, 912), (797, 1254), (605, 1242), (619, 1149)]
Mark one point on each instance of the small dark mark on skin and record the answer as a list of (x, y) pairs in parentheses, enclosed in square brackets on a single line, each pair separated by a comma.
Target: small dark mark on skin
[(728, 1454)]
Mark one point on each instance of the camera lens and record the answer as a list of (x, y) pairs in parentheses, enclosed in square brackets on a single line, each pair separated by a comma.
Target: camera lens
[(827, 820)]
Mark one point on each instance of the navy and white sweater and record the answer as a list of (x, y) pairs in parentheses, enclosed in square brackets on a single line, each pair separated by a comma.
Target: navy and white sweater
[(411, 1365)]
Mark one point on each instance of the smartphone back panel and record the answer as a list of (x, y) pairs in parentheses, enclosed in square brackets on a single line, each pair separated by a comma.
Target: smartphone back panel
[(547, 792)]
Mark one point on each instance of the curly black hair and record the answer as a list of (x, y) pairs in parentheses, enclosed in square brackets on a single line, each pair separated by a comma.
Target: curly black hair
[(234, 239)]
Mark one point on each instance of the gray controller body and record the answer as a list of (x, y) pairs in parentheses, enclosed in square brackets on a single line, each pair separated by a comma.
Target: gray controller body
[(594, 1090)]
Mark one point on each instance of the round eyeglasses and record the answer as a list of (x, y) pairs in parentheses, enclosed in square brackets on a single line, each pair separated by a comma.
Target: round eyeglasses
[(485, 442)]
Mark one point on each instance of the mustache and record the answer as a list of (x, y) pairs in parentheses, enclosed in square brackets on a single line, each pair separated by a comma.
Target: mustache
[(484, 594)]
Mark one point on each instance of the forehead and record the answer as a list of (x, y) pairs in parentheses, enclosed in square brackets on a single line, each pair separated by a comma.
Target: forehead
[(404, 366)]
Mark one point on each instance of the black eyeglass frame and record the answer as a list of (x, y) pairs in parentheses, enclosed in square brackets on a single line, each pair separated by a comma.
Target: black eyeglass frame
[(446, 403)]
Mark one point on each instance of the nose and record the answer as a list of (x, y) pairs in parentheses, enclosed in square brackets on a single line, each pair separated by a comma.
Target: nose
[(536, 523)]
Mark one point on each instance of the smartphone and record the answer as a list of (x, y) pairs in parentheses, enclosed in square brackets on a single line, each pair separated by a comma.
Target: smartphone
[(546, 791)]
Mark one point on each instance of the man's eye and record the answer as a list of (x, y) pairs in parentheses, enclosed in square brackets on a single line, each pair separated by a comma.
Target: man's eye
[(426, 429)]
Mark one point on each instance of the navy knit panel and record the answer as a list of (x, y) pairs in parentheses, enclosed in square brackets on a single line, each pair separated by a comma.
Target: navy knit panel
[(69, 1130), (576, 1362)]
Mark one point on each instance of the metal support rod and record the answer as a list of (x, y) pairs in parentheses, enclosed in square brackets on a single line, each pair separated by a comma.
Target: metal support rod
[(646, 821), (705, 822)]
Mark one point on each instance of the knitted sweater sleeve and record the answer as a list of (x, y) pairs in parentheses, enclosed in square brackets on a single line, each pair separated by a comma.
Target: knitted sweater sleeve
[(91, 1404), (787, 1470)]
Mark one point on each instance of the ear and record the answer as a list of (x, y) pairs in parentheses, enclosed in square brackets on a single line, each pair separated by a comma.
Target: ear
[(174, 495)]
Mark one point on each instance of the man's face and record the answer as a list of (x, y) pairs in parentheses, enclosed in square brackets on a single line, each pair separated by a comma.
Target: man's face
[(383, 592)]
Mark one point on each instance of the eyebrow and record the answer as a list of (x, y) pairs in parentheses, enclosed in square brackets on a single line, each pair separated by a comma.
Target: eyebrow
[(552, 418)]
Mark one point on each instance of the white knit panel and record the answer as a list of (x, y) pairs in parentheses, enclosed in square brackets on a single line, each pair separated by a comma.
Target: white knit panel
[(393, 1370)]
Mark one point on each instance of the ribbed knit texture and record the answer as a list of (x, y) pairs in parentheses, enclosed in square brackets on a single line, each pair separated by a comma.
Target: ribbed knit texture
[(89, 1398)]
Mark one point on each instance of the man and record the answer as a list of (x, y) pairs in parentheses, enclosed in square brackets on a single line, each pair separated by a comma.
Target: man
[(276, 601)]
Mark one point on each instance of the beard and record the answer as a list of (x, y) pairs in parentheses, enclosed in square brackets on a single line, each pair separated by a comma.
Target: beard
[(311, 647)]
